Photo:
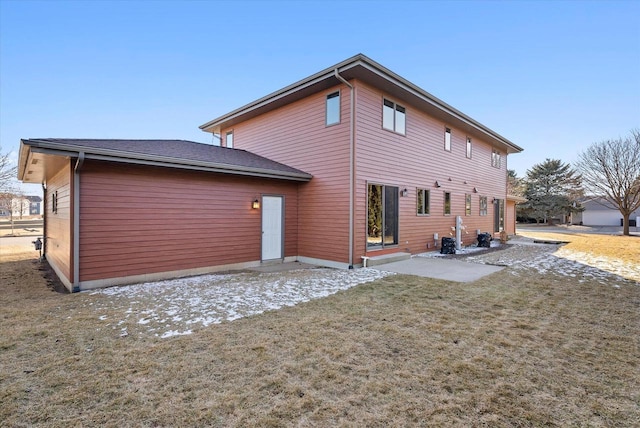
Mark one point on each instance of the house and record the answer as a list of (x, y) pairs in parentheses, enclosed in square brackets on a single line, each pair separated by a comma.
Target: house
[(19, 206), (351, 162), (599, 212)]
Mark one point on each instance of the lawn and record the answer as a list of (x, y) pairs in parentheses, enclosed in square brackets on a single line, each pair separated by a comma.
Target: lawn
[(547, 341)]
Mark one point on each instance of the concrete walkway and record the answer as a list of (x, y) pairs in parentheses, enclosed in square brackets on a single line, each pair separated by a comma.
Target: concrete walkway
[(439, 268)]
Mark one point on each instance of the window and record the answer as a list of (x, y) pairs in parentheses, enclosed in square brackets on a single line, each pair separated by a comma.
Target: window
[(422, 202), (496, 159), (483, 205), (469, 147), (230, 139), (498, 215), (447, 203), (393, 117), (333, 108), (54, 202), (467, 204), (447, 139), (382, 215)]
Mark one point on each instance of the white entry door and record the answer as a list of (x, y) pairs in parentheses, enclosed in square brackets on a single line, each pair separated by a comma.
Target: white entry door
[(272, 232)]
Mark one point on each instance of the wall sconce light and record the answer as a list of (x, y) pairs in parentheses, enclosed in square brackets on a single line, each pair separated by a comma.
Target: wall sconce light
[(465, 182), (450, 179), (404, 192), (255, 204), (475, 190), (437, 184)]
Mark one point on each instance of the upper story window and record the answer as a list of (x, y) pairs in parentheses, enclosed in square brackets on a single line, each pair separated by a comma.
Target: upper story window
[(469, 147), (467, 204), (422, 204), (333, 108), (447, 203), (393, 117), (447, 139), (496, 159), (229, 139)]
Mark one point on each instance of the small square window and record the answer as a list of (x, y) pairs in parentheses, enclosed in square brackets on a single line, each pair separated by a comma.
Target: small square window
[(447, 139), (469, 147), (333, 108), (422, 202), (447, 203)]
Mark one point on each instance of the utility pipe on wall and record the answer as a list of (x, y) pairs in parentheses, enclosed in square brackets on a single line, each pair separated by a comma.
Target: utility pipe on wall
[(351, 162)]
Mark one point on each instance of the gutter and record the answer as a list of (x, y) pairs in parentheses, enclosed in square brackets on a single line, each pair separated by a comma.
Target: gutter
[(351, 161), (76, 222)]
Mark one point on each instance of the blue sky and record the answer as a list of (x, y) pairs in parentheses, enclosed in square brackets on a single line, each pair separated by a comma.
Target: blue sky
[(553, 77)]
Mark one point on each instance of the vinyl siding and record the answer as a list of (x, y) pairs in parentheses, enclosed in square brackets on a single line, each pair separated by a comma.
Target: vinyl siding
[(59, 236), (138, 220), (296, 135), (417, 160)]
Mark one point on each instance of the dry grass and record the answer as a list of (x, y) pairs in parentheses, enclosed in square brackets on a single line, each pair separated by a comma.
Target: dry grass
[(507, 350), (624, 248)]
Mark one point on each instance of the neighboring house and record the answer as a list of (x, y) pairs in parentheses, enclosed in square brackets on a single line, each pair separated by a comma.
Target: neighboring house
[(598, 212), (34, 205), (352, 162), (22, 206)]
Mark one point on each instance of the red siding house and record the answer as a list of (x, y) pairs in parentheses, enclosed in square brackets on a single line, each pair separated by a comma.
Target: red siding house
[(351, 162)]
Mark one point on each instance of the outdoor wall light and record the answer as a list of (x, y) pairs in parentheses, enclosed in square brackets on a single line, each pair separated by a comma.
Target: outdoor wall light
[(404, 192), (475, 190), (437, 184), (255, 204)]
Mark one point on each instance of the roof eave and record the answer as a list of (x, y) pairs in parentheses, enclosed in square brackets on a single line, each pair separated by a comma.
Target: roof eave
[(39, 146), (380, 72)]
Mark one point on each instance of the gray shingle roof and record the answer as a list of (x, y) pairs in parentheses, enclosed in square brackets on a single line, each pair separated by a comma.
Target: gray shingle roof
[(176, 153)]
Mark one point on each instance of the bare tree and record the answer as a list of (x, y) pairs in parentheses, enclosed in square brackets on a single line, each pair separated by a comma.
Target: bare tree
[(611, 172), (11, 201), (7, 172), (515, 184)]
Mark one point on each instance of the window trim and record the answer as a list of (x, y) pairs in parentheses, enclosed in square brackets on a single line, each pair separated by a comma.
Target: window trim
[(446, 201), (483, 205), (447, 139), (226, 139), (330, 96), (54, 202), (496, 159), (383, 216), (426, 211), (395, 109)]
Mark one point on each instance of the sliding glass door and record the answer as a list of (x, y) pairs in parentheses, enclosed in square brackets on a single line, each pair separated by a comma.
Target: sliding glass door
[(382, 215)]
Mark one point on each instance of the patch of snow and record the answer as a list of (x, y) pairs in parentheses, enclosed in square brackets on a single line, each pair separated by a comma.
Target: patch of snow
[(171, 306)]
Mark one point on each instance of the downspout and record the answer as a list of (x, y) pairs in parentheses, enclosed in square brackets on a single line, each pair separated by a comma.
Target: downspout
[(351, 162), (76, 222), (44, 220)]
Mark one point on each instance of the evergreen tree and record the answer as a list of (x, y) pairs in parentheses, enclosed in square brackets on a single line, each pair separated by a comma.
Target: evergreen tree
[(553, 189)]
